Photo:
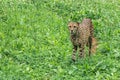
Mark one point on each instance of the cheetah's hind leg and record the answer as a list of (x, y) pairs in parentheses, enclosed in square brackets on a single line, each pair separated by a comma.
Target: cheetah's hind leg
[(90, 45)]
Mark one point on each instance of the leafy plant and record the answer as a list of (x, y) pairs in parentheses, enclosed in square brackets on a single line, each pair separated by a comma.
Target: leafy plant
[(35, 42)]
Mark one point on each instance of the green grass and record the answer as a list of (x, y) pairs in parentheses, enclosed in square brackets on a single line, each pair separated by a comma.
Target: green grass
[(35, 42)]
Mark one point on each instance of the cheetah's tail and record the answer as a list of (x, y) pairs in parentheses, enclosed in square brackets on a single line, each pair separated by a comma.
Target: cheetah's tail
[(94, 45)]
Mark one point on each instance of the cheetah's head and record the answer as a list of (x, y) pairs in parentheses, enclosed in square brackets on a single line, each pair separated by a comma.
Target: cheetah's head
[(73, 27)]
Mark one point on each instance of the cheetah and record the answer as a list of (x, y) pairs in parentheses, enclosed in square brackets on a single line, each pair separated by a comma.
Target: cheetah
[(81, 35)]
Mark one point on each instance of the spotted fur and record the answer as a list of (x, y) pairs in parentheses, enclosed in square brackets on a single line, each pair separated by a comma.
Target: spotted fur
[(81, 35)]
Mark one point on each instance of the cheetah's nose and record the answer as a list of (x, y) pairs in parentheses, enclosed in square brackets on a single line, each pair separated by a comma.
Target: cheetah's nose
[(71, 31)]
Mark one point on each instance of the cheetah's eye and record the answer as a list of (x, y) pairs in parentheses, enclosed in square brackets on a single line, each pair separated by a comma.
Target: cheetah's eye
[(69, 26), (74, 26)]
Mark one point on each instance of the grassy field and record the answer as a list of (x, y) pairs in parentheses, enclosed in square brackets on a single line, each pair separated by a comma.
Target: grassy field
[(35, 42)]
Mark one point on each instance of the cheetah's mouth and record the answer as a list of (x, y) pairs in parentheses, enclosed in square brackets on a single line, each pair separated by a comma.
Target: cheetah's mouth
[(72, 33)]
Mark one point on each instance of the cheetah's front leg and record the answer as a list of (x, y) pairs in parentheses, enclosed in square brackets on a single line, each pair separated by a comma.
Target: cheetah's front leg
[(74, 52), (81, 51)]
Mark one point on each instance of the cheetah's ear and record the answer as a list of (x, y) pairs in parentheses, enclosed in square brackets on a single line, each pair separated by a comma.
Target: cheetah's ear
[(78, 23)]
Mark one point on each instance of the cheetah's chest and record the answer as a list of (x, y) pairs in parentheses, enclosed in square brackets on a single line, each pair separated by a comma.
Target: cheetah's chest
[(79, 40), (75, 40)]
